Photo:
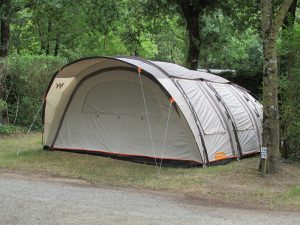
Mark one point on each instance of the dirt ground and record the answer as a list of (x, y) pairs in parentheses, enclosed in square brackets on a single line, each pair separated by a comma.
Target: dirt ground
[(38, 199)]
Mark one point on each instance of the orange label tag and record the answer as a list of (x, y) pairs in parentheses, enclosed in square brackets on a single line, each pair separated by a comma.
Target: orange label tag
[(139, 69), (220, 155), (172, 100)]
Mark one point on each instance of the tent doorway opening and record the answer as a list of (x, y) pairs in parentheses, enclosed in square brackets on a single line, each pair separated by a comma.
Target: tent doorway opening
[(112, 101)]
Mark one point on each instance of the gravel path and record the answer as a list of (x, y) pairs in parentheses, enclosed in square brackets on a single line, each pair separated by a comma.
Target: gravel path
[(42, 201)]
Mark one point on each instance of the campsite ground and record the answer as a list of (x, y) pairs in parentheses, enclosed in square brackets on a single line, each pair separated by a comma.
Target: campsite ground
[(236, 185), (44, 200)]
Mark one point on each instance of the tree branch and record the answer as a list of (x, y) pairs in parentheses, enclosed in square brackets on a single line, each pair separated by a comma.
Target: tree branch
[(280, 15)]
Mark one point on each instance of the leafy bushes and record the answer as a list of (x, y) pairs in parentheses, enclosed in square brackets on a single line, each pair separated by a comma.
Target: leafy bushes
[(290, 112), (290, 94), (27, 78), (9, 129)]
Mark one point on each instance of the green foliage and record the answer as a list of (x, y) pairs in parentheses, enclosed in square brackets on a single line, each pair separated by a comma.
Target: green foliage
[(9, 130), (290, 94), (3, 105), (6, 130), (244, 14), (224, 46), (28, 78)]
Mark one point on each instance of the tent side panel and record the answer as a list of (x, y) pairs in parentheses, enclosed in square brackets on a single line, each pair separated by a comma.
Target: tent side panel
[(224, 114), (241, 116), (254, 107), (216, 138)]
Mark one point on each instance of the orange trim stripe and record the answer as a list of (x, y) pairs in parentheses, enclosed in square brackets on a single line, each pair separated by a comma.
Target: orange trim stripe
[(122, 154)]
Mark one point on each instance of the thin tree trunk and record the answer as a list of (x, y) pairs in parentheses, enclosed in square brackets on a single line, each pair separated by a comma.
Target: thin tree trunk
[(290, 18), (57, 45), (42, 42), (5, 33), (288, 23), (17, 110), (49, 37)]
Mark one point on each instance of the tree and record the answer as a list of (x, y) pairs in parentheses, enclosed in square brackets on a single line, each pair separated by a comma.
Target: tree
[(191, 10), (271, 25), (4, 40), (290, 17), (289, 85), (5, 31)]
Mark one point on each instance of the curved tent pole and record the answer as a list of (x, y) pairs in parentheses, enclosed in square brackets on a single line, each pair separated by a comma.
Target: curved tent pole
[(250, 112), (197, 121), (218, 109), (235, 130)]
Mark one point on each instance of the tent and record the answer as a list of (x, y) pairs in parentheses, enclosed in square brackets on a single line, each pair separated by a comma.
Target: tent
[(149, 111)]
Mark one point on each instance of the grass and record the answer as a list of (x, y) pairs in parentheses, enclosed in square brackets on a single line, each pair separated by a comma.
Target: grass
[(237, 182)]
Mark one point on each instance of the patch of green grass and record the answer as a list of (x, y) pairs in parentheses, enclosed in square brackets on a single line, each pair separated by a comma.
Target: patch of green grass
[(234, 182), (92, 168), (6, 130), (291, 196)]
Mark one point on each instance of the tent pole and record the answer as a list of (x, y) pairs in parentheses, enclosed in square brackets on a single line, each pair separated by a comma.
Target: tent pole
[(147, 115), (165, 137)]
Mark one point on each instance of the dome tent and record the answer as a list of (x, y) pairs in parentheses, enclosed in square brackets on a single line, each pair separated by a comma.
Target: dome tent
[(144, 110)]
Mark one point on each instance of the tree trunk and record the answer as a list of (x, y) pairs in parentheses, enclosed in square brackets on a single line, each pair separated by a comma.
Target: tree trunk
[(4, 45), (191, 13), (288, 24), (49, 36), (289, 20), (56, 48), (42, 42), (5, 30), (270, 100), (270, 28)]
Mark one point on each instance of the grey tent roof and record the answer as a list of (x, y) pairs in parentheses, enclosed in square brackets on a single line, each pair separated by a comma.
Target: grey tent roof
[(175, 70), (182, 72), (169, 69)]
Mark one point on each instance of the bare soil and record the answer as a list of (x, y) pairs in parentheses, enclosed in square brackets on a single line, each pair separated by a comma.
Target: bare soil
[(31, 198)]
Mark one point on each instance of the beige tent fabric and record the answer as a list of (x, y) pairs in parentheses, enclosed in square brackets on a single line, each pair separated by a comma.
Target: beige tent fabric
[(107, 114), (210, 120)]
